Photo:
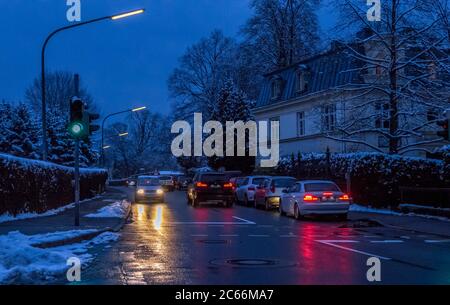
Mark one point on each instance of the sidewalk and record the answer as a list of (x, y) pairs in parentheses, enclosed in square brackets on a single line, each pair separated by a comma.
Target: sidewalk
[(420, 224), (64, 221)]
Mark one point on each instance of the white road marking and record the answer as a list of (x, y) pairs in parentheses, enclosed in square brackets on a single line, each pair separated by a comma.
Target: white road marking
[(258, 235), (405, 237), (391, 241), (213, 223), (199, 235), (433, 241), (228, 235), (371, 236), (244, 220), (332, 244), (289, 235)]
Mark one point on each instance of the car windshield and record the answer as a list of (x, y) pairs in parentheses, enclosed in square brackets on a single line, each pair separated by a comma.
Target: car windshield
[(148, 182), (212, 177), (284, 182), (321, 187), (258, 181)]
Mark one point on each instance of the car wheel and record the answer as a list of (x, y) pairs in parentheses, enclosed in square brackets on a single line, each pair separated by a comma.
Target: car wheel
[(255, 204), (297, 214), (343, 217), (194, 202), (280, 210), (266, 205), (229, 204), (245, 201), (236, 199)]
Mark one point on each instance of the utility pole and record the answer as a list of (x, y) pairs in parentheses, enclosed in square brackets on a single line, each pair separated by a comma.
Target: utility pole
[(77, 162)]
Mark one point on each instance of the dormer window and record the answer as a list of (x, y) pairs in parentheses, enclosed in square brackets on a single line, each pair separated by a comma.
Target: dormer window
[(276, 87), (301, 80)]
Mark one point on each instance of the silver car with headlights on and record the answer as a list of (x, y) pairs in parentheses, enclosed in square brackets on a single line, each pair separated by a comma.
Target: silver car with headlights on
[(149, 189)]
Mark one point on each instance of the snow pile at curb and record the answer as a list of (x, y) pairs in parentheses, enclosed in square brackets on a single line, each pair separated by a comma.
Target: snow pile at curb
[(20, 262), (363, 209), (8, 217), (116, 210)]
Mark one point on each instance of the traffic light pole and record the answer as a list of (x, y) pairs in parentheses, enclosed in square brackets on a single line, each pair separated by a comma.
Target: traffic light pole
[(77, 182)]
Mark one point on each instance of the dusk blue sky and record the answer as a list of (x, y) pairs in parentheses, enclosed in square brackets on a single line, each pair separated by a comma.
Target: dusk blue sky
[(123, 63)]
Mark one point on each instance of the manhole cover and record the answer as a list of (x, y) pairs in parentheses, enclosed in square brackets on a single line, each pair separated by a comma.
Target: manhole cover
[(252, 262), (214, 241)]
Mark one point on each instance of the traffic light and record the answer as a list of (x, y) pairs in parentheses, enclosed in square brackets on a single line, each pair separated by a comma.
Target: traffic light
[(445, 132), (88, 118), (77, 128)]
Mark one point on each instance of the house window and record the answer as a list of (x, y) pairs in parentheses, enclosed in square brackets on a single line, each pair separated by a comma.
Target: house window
[(300, 124), (382, 116), (328, 117), (273, 119), (276, 88)]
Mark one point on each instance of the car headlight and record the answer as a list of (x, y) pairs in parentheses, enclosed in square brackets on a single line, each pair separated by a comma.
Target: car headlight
[(159, 191), (141, 192)]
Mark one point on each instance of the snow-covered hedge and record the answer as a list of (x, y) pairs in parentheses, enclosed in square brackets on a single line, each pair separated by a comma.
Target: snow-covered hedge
[(375, 178), (32, 186)]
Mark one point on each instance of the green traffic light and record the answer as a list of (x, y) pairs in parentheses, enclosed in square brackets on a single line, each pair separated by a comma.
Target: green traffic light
[(76, 129)]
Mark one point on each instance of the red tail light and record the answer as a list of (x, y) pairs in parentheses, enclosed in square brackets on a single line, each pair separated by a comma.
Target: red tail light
[(228, 185), (310, 198), (344, 197), (272, 188), (201, 185), (328, 193)]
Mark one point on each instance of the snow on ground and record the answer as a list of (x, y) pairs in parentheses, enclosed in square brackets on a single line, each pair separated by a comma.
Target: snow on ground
[(117, 209), (7, 217), (363, 209), (21, 262)]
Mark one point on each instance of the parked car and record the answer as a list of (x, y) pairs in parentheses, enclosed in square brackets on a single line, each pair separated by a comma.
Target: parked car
[(210, 187), (168, 183), (268, 193), (314, 197), (246, 189), (148, 189), (231, 174), (182, 183)]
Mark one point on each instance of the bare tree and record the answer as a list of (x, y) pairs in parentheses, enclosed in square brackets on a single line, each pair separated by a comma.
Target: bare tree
[(281, 31), (59, 90), (202, 69), (403, 84)]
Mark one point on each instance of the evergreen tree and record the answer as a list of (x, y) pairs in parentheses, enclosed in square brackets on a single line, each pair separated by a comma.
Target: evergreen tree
[(232, 105), (24, 136)]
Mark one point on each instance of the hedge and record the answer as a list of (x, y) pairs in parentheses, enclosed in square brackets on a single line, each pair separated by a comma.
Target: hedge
[(32, 186), (375, 178)]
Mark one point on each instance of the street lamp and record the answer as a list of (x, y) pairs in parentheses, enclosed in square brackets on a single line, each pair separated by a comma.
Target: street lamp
[(102, 157), (43, 101)]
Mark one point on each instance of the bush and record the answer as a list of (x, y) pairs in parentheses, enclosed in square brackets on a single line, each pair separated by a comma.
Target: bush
[(375, 178), (32, 186)]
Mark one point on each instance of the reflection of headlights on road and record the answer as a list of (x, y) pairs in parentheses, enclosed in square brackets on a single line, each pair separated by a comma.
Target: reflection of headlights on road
[(159, 192), (141, 192)]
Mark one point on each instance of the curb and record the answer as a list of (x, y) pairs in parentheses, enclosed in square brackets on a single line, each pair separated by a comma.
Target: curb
[(384, 224), (84, 237)]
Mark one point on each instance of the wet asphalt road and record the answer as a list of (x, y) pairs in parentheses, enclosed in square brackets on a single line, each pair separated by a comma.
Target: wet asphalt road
[(173, 243)]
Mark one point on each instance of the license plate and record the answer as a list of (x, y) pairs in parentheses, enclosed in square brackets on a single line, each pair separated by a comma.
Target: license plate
[(328, 199), (215, 186)]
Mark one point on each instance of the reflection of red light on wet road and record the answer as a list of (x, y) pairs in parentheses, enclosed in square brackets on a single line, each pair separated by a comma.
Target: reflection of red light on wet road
[(322, 262)]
